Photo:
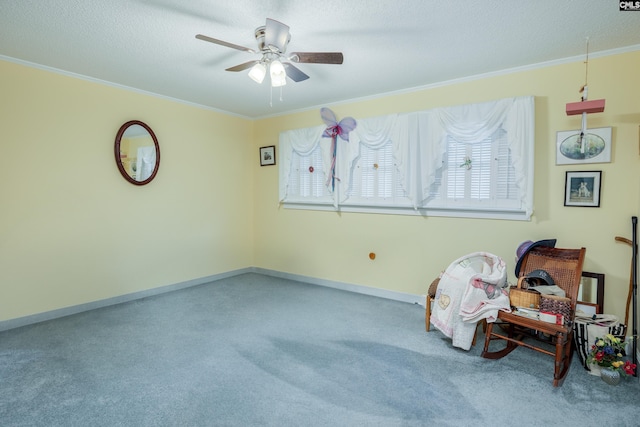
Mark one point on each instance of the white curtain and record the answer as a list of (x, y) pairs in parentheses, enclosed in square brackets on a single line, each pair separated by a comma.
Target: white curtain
[(476, 122), (419, 143), (146, 163), (373, 133), (303, 142), (520, 127)]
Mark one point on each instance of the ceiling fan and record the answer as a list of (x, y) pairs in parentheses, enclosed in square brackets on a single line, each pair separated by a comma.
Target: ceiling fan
[(273, 39)]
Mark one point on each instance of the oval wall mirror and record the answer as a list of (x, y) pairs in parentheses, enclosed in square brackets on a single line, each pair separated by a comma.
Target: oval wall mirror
[(137, 152)]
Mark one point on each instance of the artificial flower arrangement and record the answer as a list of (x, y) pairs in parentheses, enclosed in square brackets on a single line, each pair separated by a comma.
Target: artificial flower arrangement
[(608, 352)]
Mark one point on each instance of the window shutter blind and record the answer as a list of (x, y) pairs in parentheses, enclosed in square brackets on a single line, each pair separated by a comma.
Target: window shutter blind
[(456, 175), (480, 172), (506, 174), (304, 182), (476, 173), (375, 176)]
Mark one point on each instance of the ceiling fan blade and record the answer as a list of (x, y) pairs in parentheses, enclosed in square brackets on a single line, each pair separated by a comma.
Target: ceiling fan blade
[(242, 66), (276, 34), (223, 43), (294, 73), (317, 57)]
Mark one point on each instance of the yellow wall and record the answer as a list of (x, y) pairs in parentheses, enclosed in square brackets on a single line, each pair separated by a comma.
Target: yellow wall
[(67, 214), (72, 230), (412, 250)]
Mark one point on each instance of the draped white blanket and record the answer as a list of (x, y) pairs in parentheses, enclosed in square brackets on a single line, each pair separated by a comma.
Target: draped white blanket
[(472, 288)]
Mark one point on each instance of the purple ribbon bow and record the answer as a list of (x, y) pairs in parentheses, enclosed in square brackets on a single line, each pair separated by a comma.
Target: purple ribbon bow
[(333, 131)]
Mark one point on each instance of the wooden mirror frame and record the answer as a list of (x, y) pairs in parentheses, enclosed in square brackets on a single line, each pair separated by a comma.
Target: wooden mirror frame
[(119, 163), (599, 303)]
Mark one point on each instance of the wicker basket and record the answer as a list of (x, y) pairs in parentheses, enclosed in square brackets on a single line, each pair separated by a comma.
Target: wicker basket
[(556, 305), (519, 297)]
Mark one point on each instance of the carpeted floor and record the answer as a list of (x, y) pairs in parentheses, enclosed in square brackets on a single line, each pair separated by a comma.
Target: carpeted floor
[(257, 350)]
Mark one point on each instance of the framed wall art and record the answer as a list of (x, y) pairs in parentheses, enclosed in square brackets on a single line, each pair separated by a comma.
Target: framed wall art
[(596, 147), (268, 155), (582, 189)]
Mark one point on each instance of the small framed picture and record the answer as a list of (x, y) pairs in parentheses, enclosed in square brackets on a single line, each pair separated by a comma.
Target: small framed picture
[(582, 189), (268, 155), (593, 147)]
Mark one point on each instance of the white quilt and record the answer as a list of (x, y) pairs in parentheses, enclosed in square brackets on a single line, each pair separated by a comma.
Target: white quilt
[(472, 288)]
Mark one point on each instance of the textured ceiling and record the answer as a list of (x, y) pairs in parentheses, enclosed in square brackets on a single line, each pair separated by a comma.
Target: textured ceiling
[(388, 46)]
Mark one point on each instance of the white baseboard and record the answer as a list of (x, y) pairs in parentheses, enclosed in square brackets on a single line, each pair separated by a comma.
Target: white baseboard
[(360, 289), (67, 311)]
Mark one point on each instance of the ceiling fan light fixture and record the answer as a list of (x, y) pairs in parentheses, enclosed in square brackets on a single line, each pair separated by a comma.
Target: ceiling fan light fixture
[(272, 40), (258, 72), (277, 73)]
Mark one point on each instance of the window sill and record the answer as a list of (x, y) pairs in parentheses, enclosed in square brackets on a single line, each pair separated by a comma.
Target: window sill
[(500, 214)]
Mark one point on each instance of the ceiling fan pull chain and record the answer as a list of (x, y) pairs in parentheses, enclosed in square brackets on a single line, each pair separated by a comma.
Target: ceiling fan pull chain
[(280, 93), (270, 96)]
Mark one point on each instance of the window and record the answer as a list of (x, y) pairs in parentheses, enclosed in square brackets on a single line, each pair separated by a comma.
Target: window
[(464, 161), (375, 179), (476, 175), (307, 178)]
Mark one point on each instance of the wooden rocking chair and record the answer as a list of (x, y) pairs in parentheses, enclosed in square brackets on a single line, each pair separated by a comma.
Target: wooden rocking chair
[(565, 267)]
